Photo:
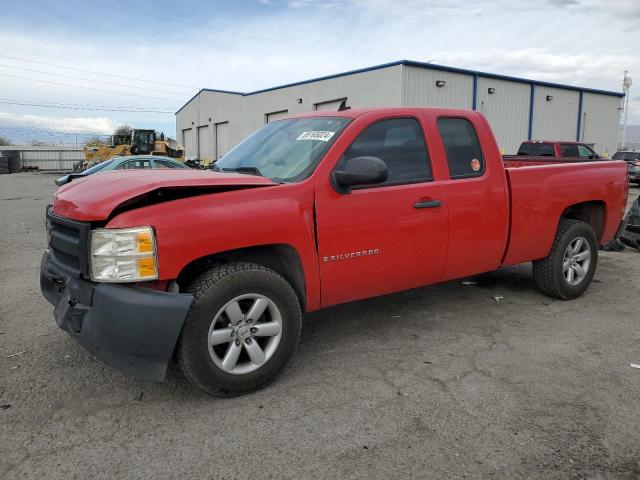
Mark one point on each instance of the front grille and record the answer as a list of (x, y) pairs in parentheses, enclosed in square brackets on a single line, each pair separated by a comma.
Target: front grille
[(68, 244)]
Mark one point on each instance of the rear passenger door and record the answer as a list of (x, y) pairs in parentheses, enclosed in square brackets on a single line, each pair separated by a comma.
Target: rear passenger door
[(477, 197), (386, 237)]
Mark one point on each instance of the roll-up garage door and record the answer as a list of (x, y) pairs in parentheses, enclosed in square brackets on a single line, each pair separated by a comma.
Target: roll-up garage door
[(204, 144), (330, 105), (222, 139), (189, 142), (270, 117)]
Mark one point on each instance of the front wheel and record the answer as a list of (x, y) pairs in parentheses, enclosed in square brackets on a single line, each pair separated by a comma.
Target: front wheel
[(568, 270), (243, 327)]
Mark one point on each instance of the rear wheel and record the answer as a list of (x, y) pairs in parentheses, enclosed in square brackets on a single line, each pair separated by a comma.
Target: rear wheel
[(568, 270), (242, 329)]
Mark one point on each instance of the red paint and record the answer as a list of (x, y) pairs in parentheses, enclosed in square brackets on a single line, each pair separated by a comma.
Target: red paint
[(380, 242), (557, 157), (94, 198)]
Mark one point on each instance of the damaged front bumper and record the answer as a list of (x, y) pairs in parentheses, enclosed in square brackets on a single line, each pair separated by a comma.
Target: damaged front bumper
[(131, 328)]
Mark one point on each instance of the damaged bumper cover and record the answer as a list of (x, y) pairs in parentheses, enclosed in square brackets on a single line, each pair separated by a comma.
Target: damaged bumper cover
[(130, 328)]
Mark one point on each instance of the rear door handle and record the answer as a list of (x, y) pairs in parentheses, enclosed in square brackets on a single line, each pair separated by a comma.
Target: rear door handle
[(427, 204)]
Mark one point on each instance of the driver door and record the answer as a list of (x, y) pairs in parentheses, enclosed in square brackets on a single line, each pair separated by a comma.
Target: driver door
[(387, 237)]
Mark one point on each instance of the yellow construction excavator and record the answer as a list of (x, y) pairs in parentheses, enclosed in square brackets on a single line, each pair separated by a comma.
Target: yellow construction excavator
[(138, 142)]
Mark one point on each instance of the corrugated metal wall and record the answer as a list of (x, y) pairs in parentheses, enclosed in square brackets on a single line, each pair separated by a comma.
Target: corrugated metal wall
[(246, 114), (557, 118), (419, 88), (50, 157), (599, 122), (507, 110)]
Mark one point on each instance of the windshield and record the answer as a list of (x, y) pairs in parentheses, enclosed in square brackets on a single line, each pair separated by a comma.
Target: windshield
[(97, 168), (285, 150)]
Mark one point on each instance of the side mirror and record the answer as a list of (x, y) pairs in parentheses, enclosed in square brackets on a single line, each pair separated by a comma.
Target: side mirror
[(595, 156), (360, 171)]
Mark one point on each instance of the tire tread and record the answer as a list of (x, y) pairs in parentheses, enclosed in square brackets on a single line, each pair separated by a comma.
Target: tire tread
[(198, 287), (543, 272)]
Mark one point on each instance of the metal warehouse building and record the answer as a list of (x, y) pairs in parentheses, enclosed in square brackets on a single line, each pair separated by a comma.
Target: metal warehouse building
[(214, 121)]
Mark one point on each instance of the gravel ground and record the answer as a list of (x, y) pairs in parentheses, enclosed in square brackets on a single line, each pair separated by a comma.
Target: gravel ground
[(440, 382)]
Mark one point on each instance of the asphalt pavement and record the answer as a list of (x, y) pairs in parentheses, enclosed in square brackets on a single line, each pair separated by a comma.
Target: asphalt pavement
[(489, 379)]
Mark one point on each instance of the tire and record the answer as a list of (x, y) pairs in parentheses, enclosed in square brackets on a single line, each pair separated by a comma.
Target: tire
[(552, 276), (224, 287), (4, 171)]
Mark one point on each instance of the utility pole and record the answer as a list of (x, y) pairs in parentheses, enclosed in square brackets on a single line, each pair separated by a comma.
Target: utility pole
[(626, 85)]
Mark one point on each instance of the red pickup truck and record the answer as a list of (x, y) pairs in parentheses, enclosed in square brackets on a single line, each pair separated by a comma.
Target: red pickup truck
[(217, 267), (533, 152)]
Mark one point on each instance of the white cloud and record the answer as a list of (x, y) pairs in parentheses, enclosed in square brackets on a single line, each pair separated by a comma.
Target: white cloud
[(97, 125), (581, 42)]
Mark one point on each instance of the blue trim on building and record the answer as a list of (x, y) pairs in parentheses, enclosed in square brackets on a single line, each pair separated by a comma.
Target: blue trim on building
[(579, 118), (531, 99), (412, 63), (474, 101)]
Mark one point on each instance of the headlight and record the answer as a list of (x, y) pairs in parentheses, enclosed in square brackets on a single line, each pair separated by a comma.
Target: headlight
[(123, 254)]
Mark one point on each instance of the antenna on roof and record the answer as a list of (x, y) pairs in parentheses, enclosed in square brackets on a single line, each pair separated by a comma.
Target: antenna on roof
[(343, 105)]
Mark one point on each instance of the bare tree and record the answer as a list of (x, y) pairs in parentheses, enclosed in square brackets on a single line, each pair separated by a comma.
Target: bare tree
[(4, 141), (123, 130), (94, 140)]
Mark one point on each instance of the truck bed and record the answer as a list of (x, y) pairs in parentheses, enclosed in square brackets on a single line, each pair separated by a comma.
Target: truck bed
[(540, 192)]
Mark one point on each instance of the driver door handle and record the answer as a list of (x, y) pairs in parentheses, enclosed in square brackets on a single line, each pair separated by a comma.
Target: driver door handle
[(427, 204)]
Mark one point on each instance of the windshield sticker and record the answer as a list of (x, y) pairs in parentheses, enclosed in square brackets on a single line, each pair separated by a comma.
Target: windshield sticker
[(321, 135)]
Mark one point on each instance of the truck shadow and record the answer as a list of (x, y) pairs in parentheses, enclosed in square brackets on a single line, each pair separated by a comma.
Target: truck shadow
[(466, 305), (459, 301)]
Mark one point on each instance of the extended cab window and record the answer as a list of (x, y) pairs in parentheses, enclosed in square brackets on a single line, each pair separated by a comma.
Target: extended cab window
[(464, 155), (569, 150), (545, 150), (399, 143)]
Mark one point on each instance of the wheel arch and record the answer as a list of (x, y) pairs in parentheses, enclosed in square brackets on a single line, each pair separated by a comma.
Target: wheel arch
[(592, 212), (281, 258)]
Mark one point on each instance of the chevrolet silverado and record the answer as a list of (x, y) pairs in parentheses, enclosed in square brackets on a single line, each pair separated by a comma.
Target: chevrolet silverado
[(216, 268)]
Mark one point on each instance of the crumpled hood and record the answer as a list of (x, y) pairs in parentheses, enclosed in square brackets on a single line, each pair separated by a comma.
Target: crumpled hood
[(95, 198)]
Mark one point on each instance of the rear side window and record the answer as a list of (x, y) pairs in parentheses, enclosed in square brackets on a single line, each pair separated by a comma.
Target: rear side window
[(399, 143), (135, 165), (545, 150), (166, 164), (537, 149), (569, 150), (464, 155), (525, 149)]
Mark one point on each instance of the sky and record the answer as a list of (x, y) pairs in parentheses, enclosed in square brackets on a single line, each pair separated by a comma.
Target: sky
[(85, 67)]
